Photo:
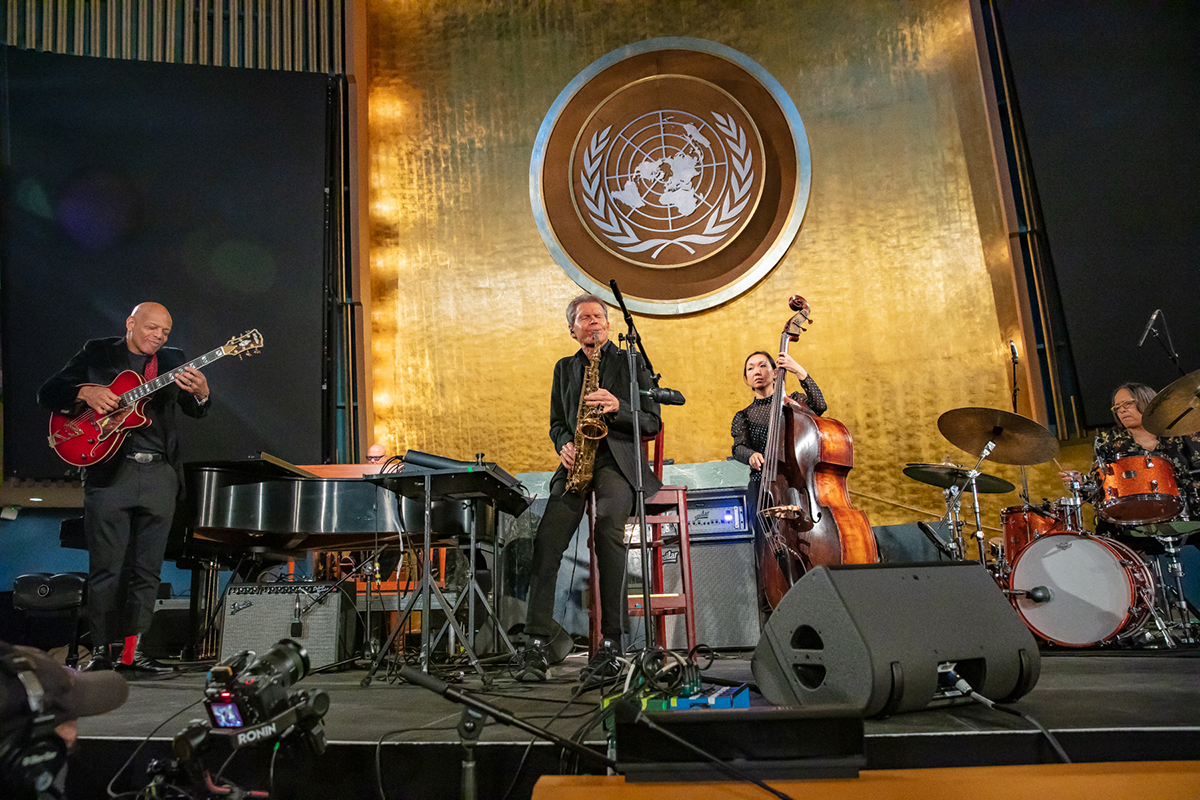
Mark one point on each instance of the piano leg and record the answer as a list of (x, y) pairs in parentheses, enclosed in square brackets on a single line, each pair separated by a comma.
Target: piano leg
[(202, 637)]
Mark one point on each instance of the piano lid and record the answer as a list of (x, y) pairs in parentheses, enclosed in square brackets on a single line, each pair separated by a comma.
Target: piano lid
[(270, 502)]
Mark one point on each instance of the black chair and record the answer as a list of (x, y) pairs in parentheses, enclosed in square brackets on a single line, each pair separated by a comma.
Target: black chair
[(40, 594)]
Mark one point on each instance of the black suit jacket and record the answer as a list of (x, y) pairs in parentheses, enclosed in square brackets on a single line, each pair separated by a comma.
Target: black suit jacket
[(614, 376), (100, 361)]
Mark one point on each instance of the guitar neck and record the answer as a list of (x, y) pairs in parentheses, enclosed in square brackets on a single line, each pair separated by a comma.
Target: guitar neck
[(150, 387)]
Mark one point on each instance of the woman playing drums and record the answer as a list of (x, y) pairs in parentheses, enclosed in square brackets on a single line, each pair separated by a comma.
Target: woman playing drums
[(1131, 444)]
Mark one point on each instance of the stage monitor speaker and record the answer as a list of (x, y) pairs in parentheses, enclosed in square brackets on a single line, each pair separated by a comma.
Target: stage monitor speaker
[(876, 638), (316, 615)]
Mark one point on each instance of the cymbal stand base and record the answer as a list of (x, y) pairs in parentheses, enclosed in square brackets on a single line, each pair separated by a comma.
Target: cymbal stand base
[(1180, 604)]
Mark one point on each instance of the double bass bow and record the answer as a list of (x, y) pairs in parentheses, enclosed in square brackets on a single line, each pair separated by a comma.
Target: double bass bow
[(803, 505)]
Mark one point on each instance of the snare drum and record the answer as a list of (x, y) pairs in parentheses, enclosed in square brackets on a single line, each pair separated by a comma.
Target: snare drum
[(1023, 525), (1138, 490), (1100, 590)]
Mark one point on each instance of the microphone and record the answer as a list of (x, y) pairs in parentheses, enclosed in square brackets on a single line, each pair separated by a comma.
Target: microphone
[(431, 461), (1039, 594), (668, 397), (1149, 326), (932, 536), (1012, 347), (297, 627)]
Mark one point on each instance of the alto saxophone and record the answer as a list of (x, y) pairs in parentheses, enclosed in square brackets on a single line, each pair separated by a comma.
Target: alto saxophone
[(590, 428)]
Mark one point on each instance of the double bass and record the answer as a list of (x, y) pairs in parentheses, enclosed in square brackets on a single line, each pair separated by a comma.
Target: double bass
[(803, 506)]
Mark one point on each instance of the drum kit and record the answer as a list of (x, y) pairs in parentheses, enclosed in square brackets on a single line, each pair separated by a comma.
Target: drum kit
[(1073, 587)]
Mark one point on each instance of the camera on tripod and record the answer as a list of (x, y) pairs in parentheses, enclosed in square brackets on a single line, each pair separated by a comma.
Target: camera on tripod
[(249, 703)]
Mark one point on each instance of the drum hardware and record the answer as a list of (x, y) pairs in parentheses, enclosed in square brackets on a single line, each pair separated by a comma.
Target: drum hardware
[(1005, 437), (1174, 602), (1175, 411), (1100, 591), (952, 479), (1139, 490), (946, 476)]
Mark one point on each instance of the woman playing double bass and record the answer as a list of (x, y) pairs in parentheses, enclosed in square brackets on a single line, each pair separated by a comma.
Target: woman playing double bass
[(750, 427)]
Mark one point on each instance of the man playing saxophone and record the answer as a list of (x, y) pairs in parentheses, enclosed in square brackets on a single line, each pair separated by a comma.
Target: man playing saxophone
[(613, 460)]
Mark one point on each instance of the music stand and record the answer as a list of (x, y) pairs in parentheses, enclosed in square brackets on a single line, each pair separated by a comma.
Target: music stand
[(473, 482)]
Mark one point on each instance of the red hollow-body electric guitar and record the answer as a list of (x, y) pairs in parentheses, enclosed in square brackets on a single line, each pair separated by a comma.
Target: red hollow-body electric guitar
[(84, 439)]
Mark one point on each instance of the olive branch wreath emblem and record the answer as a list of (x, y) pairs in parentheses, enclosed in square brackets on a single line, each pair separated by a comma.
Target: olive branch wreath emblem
[(724, 216)]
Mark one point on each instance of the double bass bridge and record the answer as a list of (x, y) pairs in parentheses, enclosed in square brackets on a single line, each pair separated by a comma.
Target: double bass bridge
[(789, 512)]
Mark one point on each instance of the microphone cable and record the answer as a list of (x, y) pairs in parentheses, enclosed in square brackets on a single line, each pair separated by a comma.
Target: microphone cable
[(966, 689)]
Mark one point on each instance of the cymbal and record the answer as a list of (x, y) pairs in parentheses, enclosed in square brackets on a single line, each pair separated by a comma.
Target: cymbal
[(1175, 411), (1019, 440), (946, 475), (1166, 529)]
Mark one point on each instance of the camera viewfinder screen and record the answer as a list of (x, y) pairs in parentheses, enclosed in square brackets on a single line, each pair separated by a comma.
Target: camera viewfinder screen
[(225, 715)]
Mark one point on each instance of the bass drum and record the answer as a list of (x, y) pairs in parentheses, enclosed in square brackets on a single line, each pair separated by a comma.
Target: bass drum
[(1100, 590)]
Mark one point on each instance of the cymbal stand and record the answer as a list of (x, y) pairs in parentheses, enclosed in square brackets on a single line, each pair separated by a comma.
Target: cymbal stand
[(1075, 515), (957, 546), (972, 477), (1172, 545)]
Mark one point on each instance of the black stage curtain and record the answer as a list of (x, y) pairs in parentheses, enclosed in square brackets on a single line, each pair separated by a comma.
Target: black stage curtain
[(1110, 96), (198, 187)]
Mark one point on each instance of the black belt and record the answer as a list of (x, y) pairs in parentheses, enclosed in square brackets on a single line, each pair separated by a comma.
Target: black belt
[(146, 458)]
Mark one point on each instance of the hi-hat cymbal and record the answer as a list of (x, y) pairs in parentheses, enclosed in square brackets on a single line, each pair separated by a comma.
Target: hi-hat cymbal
[(1175, 411), (1018, 440), (944, 476)]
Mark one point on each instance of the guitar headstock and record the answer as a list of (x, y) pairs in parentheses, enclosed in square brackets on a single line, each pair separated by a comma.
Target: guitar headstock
[(247, 343), (802, 317)]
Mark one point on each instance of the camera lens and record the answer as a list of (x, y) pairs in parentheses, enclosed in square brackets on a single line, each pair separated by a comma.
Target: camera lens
[(287, 661)]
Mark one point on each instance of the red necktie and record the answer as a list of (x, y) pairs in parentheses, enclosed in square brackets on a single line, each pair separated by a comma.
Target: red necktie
[(151, 371)]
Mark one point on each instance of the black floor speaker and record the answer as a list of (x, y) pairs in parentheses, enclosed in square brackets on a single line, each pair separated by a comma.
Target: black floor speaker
[(316, 615), (877, 639)]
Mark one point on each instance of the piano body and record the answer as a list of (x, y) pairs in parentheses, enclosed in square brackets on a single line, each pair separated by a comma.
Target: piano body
[(265, 510)]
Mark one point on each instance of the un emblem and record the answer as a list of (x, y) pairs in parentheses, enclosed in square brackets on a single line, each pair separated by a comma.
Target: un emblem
[(679, 167)]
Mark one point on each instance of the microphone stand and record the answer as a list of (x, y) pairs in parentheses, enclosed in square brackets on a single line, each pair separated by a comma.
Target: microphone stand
[(1024, 475), (1168, 345), (471, 725), (632, 339)]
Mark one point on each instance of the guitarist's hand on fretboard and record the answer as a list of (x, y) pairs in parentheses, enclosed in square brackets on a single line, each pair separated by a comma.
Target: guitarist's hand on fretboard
[(192, 381), (99, 398)]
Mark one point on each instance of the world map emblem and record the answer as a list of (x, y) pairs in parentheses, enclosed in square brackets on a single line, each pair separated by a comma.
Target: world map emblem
[(678, 167)]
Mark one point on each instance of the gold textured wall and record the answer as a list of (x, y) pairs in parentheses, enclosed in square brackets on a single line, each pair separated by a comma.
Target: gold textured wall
[(902, 255)]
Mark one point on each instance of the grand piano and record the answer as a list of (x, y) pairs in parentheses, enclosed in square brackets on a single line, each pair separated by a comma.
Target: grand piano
[(263, 510)]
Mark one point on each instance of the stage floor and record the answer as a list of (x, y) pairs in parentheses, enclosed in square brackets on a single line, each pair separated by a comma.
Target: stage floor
[(1112, 707)]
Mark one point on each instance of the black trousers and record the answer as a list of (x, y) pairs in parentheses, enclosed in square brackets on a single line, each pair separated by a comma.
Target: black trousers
[(126, 525), (564, 512)]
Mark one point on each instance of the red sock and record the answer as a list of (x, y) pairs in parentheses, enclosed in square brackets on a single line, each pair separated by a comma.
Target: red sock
[(127, 651)]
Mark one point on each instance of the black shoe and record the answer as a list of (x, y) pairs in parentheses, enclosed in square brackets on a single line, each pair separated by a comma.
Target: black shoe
[(143, 665), (101, 659), (605, 664), (534, 663)]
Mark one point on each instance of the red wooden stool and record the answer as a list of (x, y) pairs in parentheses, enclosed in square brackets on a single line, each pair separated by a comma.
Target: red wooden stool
[(666, 520)]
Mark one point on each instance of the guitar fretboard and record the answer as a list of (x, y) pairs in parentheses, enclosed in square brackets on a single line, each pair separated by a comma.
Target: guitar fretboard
[(150, 387)]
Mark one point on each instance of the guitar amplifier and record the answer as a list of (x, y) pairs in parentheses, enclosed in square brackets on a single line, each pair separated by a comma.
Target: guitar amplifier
[(257, 616)]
